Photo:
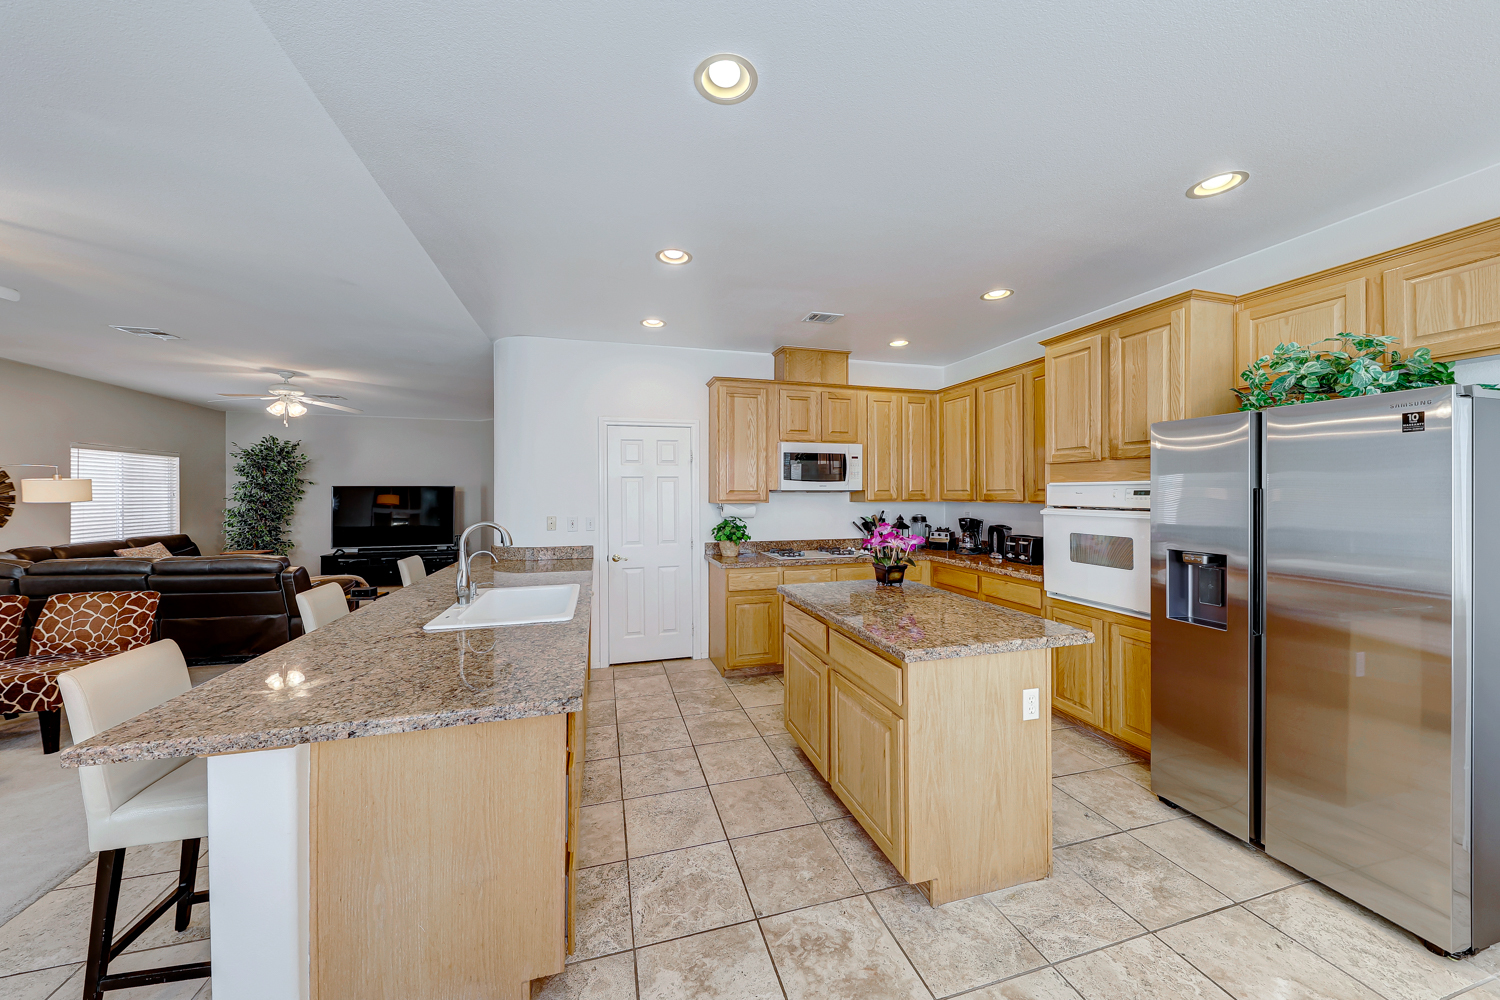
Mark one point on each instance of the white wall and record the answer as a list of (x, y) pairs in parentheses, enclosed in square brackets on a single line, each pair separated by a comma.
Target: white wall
[(44, 413), (372, 451)]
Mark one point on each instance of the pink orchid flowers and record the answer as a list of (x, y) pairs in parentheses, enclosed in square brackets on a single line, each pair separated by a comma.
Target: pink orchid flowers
[(889, 547)]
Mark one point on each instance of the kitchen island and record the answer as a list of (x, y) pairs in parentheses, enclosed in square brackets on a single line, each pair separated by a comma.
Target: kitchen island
[(391, 812), (927, 713)]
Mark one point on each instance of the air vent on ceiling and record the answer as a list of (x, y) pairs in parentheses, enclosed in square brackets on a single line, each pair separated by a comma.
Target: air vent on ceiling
[(145, 331), (822, 317)]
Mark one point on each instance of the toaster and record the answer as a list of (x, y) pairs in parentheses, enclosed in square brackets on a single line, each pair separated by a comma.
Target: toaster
[(942, 540), (1024, 549)]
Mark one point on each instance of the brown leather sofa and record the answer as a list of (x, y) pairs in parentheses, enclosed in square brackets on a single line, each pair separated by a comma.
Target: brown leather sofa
[(178, 545), (11, 571)]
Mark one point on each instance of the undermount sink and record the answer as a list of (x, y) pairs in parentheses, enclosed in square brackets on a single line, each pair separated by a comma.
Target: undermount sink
[(503, 606)]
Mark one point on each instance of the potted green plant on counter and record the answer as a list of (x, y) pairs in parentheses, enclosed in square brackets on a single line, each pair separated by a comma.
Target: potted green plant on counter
[(1296, 374), (891, 552), (729, 533)]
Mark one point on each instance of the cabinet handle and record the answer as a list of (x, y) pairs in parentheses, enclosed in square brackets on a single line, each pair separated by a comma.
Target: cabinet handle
[(618, 559)]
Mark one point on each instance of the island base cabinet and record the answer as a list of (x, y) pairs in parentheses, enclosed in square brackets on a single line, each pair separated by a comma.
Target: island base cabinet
[(865, 762), (806, 678)]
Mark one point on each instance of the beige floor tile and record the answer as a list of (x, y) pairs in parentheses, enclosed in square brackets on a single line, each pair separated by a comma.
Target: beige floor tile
[(685, 892), (755, 692), (645, 686), (1072, 821), (872, 869), (789, 753), (637, 670), (153, 859), (768, 719), (737, 759), (1044, 984), (670, 821), (164, 933), (1064, 915), (686, 665), (1252, 959), (601, 781), (1369, 948), (601, 923), (1066, 760), (730, 963), (1118, 799), (602, 683), (54, 930), (720, 727), (956, 946), (787, 869), (698, 678), (660, 771), (1138, 773), (611, 978), (656, 734), (601, 742), (759, 805), (1143, 969), (1139, 881), (1095, 745), (838, 950), (706, 700), (37, 985), (1060, 721), (1236, 869), (601, 712), (819, 797), (601, 834), (643, 709)]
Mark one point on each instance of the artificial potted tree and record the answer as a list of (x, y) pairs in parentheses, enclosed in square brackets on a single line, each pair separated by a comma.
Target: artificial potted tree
[(268, 486), (891, 553), (729, 533)]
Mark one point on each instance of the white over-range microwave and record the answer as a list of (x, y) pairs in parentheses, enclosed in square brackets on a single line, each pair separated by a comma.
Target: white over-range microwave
[(815, 467)]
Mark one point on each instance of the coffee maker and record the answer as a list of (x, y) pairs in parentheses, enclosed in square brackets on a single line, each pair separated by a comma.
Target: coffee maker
[(970, 535)]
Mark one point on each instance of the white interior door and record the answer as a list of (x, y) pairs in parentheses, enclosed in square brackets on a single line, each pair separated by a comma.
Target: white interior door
[(649, 548)]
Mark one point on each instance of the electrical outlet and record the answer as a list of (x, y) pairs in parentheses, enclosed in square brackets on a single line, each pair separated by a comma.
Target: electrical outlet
[(572, 524), (551, 524), (1031, 704), (588, 524)]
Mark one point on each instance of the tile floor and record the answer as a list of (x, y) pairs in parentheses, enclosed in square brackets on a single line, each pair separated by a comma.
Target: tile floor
[(717, 864)]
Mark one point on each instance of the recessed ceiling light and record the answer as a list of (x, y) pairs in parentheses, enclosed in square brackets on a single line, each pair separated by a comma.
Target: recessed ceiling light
[(673, 256), (997, 293), (1218, 184), (899, 343), (147, 332), (725, 78), (9, 293), (653, 323)]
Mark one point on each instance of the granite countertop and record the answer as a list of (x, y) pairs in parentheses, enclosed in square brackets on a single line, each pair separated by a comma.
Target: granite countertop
[(917, 622), (1021, 571), (751, 558), (375, 671)]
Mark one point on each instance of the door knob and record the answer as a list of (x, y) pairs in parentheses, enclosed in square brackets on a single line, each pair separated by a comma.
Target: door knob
[(618, 559)]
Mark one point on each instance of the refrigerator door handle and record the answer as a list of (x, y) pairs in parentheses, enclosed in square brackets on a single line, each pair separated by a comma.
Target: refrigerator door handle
[(1257, 563)]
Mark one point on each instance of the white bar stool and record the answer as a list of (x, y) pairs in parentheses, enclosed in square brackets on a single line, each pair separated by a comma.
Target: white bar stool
[(136, 803), (412, 569), (321, 605)]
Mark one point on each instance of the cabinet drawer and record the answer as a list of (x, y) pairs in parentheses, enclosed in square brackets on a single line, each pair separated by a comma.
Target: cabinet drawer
[(753, 579), (958, 579), (1011, 591), (880, 676), (864, 571), (813, 633), (808, 574)]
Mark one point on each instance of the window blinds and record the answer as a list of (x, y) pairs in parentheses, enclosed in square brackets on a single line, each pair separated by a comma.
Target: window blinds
[(134, 494)]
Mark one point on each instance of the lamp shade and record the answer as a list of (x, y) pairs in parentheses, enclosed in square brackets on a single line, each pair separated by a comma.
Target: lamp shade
[(57, 490)]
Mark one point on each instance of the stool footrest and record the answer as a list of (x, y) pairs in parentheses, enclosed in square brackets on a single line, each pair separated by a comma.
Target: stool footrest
[(153, 977)]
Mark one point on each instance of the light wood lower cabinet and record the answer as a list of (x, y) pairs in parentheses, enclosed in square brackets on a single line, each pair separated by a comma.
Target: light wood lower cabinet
[(805, 675), (1107, 684), (1129, 678), (754, 625), (864, 761), (994, 588), (1078, 671)]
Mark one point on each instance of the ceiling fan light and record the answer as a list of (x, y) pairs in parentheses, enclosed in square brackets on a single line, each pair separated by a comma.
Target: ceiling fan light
[(277, 408), (295, 409)]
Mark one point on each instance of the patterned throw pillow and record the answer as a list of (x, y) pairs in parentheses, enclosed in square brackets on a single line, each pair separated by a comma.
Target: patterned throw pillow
[(95, 624), (156, 550)]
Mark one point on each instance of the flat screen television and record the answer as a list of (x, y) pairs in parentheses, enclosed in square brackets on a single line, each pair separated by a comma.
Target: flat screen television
[(372, 516)]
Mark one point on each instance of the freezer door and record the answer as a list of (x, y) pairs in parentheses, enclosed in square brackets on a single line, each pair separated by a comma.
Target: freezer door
[(1204, 675), (1366, 504)]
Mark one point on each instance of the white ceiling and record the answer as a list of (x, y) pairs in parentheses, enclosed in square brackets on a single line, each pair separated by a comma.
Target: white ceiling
[(368, 188)]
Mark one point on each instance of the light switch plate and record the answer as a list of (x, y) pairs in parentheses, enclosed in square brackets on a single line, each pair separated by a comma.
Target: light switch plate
[(551, 523), (572, 524), (588, 524), (1031, 704)]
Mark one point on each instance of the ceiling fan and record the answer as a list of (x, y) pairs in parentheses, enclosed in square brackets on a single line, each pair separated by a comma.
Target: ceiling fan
[(287, 399)]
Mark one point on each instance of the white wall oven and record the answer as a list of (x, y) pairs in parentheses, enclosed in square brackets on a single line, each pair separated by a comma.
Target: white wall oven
[(810, 467), (1098, 541)]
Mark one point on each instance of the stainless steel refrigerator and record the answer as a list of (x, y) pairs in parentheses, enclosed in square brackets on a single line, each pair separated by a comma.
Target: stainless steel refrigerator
[(1325, 630)]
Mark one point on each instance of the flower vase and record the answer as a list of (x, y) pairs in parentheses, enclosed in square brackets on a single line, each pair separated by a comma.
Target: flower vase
[(729, 550), (889, 576)]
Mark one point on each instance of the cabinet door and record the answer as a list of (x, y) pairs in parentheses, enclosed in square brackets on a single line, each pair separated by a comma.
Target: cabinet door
[(882, 447), (864, 763), (741, 440), (1140, 383), (1305, 316), (1075, 400), (1448, 301), (805, 707), (754, 629), (1036, 436), (919, 447), (956, 444), (1078, 671), (1002, 438), (864, 571), (840, 416), (798, 414), (1130, 684)]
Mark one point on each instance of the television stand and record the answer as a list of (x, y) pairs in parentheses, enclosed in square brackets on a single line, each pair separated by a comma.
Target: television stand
[(378, 564)]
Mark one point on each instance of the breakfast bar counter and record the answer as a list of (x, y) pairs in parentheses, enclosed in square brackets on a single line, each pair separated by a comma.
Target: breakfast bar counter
[(391, 811)]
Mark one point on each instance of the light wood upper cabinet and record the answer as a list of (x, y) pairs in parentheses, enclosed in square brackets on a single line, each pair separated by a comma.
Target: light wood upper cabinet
[(741, 442), (1129, 682), (1075, 400), (1302, 315), (809, 364), (956, 447), (1447, 299), (1036, 436), (864, 762), (1002, 439), (1141, 382), (919, 446), (798, 412), (840, 416), (883, 448)]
